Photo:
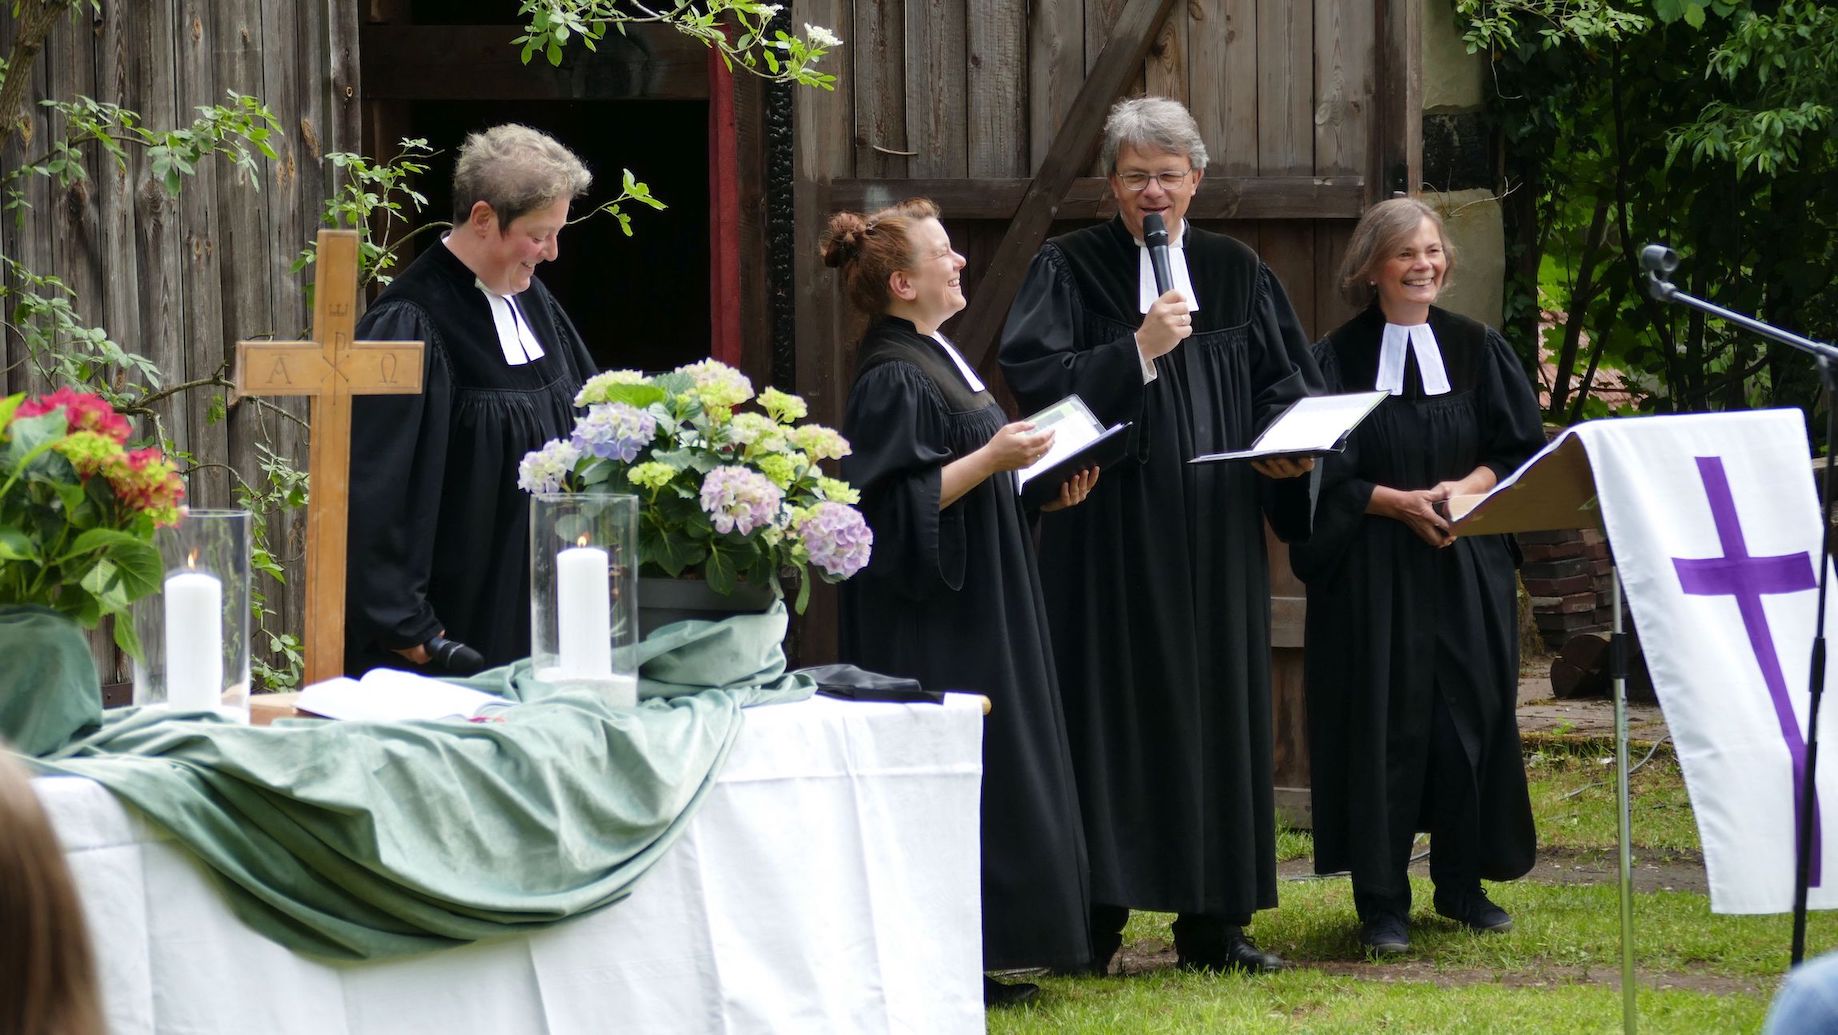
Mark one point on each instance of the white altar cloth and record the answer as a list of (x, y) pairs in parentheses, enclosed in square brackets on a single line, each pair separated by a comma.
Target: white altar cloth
[(830, 883)]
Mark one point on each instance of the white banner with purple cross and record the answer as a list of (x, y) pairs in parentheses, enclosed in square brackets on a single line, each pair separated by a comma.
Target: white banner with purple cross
[(1714, 523)]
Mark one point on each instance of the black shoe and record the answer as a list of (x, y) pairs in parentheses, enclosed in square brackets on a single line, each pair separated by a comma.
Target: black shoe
[(997, 995), (1477, 913), (1241, 956), (1386, 934)]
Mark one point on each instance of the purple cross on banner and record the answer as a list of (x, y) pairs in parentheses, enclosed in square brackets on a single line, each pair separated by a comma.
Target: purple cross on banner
[(1747, 578)]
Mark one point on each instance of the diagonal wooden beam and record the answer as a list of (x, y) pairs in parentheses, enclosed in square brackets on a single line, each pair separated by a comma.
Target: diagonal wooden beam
[(1073, 148)]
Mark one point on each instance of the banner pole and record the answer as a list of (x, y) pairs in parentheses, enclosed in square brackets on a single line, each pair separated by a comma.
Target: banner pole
[(1617, 661)]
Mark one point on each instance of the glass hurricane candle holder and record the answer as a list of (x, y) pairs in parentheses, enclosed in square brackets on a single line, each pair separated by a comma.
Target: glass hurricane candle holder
[(584, 593), (194, 633)]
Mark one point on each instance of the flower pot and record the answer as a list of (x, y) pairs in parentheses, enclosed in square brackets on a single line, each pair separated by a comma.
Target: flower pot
[(662, 601)]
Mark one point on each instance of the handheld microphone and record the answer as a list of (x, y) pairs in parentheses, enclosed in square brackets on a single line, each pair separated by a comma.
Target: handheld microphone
[(453, 657), (1155, 238)]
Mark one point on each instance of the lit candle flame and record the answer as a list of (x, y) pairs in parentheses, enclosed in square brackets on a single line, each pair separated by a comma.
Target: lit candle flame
[(582, 541), (191, 559)]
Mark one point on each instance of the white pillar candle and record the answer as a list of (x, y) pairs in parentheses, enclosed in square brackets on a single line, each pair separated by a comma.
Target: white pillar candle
[(583, 589), (194, 641)]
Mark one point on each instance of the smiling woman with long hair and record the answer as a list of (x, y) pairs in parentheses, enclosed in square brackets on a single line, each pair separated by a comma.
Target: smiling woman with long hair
[(47, 978)]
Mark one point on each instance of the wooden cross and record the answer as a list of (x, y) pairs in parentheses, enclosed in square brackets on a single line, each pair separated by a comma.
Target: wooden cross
[(331, 369)]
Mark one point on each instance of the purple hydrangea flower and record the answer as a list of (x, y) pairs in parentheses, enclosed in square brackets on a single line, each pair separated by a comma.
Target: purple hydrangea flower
[(837, 538), (543, 470), (740, 500), (614, 431)]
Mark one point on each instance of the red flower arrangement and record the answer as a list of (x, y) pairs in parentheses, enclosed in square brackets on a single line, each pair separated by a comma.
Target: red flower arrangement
[(78, 508)]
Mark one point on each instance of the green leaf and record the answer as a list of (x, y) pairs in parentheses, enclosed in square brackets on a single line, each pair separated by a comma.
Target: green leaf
[(720, 573), (15, 545), (639, 396)]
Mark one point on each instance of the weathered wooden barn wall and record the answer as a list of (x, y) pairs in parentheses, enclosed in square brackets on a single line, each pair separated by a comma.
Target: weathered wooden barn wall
[(1309, 111), (179, 279)]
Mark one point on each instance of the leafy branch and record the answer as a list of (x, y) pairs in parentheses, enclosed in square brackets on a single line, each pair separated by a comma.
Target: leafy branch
[(739, 30)]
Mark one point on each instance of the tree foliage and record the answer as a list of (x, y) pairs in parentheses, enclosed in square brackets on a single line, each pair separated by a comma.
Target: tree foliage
[(1705, 125)]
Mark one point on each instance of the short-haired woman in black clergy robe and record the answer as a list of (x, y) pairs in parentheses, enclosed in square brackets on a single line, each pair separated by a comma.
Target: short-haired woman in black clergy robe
[(952, 595), (438, 570), (1412, 638)]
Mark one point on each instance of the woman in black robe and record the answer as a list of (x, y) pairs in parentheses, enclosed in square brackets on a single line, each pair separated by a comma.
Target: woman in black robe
[(952, 595), (1412, 635), (439, 531)]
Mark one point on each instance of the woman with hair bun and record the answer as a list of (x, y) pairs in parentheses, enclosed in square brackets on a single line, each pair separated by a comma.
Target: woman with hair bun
[(952, 595), (1413, 635)]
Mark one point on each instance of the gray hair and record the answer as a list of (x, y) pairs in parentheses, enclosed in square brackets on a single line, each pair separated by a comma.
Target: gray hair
[(1152, 124), (1381, 232), (514, 169)]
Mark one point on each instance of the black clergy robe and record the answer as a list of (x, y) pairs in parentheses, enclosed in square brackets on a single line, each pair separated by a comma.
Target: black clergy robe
[(953, 598), (1158, 586), (1393, 621), (439, 531)]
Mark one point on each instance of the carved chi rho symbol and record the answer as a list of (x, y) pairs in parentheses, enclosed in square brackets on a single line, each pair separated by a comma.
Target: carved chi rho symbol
[(332, 368), (1748, 579)]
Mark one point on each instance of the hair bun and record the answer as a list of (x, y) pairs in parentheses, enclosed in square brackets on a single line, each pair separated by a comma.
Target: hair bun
[(842, 241)]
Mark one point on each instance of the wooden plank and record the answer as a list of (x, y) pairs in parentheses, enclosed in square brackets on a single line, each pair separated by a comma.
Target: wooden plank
[(150, 32), (201, 267), (1344, 76), (1207, 33), (877, 56), (1236, 97), (346, 79), (1397, 156), (1288, 248), (418, 62), (1056, 68), (1073, 149), (1220, 197), (120, 302), (1285, 87), (997, 39), (822, 118), (937, 110), (1330, 247), (1165, 70), (755, 318)]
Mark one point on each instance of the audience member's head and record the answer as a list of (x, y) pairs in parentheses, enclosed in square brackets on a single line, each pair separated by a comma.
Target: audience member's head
[(47, 978)]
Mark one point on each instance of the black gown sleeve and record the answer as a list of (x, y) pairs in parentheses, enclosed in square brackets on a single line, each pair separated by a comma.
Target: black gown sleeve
[(1283, 371), (1343, 494), (1045, 356), (892, 424), (1514, 428), (398, 459)]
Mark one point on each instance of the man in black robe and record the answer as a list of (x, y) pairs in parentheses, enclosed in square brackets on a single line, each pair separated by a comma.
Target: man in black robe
[(439, 530), (1157, 588)]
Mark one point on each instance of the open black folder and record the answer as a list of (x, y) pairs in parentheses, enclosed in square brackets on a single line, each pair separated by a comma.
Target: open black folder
[(1314, 425), (1079, 442)]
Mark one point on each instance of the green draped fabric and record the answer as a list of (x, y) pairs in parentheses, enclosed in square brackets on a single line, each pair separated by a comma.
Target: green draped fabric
[(48, 685), (352, 840)]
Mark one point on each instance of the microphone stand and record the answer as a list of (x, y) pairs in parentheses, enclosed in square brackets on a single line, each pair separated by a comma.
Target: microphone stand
[(1658, 260)]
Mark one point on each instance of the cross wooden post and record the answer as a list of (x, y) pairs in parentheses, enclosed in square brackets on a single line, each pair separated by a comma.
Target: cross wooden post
[(331, 368)]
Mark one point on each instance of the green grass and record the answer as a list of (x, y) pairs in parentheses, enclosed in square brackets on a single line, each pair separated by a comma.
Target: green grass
[(1699, 972), (1310, 1001), (1660, 821)]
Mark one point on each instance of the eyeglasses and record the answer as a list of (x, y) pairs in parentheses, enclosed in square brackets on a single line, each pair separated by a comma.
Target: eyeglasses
[(1137, 181)]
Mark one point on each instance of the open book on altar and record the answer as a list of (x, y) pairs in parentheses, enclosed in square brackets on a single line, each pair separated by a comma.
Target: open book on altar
[(1314, 425), (1079, 442), (392, 695)]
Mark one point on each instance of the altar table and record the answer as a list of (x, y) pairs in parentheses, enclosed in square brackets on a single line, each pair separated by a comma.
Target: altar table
[(828, 884)]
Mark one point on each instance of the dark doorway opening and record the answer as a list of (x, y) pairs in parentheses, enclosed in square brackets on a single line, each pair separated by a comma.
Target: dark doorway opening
[(639, 301)]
